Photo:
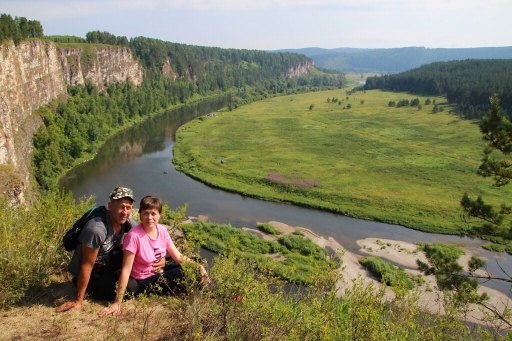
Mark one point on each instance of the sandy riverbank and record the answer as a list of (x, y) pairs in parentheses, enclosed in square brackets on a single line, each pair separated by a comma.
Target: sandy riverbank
[(401, 253)]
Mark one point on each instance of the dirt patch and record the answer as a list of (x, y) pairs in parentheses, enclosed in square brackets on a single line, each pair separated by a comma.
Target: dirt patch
[(280, 179)]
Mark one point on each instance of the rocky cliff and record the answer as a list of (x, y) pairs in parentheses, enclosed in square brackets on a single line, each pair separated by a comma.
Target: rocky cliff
[(33, 73), (299, 69)]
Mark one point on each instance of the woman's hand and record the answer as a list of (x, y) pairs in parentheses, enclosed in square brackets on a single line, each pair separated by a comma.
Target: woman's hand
[(158, 265), (114, 309)]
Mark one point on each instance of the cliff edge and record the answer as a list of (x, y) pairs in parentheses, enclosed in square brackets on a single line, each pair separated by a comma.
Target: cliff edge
[(32, 74)]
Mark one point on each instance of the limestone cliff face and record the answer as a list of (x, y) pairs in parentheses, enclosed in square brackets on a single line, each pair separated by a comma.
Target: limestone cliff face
[(168, 71), (299, 69), (33, 73), (100, 65)]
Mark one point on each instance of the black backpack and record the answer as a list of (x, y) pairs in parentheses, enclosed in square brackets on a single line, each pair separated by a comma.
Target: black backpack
[(70, 239)]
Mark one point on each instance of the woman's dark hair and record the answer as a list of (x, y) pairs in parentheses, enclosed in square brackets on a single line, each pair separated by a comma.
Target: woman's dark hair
[(149, 203)]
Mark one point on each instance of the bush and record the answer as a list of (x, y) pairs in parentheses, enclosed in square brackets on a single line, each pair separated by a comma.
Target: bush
[(268, 229), (31, 243), (387, 272), (442, 251), (298, 258), (303, 245)]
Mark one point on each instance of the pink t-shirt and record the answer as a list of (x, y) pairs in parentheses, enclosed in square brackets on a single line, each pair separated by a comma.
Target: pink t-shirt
[(146, 250)]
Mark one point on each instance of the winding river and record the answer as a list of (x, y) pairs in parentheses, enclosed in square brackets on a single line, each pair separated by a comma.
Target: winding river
[(141, 158)]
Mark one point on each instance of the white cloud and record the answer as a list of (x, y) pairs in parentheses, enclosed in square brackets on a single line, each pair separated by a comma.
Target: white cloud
[(369, 5), (59, 8)]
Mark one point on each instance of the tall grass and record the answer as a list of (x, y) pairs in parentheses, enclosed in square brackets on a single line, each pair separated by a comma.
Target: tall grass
[(30, 243)]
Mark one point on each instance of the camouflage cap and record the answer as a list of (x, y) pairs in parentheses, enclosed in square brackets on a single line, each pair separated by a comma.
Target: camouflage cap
[(121, 192)]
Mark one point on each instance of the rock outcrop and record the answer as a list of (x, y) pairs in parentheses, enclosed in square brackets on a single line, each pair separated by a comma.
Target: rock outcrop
[(168, 71), (299, 69), (33, 73)]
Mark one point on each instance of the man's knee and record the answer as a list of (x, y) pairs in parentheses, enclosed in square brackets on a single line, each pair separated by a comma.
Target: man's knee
[(103, 285), (132, 286)]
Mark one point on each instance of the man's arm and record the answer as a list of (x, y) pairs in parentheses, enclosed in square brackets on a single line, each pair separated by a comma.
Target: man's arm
[(88, 258)]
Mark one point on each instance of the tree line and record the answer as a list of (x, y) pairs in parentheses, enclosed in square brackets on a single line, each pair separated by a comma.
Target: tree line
[(19, 28), (468, 83)]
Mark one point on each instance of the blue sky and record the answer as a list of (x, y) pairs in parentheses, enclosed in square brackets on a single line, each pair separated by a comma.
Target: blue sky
[(268, 25)]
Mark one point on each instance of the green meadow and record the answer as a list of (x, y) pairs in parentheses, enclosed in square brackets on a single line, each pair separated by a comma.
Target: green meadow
[(357, 156)]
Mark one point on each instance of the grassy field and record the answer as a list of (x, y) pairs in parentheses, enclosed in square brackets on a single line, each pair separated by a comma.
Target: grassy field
[(398, 165)]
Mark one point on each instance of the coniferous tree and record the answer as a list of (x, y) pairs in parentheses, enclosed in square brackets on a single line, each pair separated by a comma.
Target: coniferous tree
[(496, 163)]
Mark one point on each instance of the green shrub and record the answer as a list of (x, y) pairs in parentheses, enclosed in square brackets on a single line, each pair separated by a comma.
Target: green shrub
[(269, 229), (303, 245), (387, 272), (297, 258), (31, 243), (442, 251)]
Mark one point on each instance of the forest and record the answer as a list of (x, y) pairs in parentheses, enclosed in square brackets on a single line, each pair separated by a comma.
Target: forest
[(468, 83)]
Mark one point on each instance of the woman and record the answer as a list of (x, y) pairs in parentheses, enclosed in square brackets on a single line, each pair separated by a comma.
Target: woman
[(144, 245)]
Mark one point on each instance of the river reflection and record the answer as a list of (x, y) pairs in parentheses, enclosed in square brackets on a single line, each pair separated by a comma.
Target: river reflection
[(141, 158)]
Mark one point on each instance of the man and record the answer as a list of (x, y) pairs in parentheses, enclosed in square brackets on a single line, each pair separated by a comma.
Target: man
[(98, 256)]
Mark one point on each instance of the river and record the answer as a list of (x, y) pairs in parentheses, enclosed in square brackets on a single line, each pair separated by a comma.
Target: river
[(141, 158)]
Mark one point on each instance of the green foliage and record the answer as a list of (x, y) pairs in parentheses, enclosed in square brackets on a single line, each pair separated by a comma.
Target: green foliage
[(19, 28), (73, 130), (296, 262), (66, 39), (173, 218), (269, 229), (97, 37), (497, 130), (31, 243), (415, 102), (496, 163), (387, 272), (302, 245), (466, 83), (442, 262), (402, 103), (87, 58), (248, 304), (494, 247)]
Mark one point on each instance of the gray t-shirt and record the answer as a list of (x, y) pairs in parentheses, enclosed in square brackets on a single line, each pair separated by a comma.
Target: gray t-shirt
[(98, 235)]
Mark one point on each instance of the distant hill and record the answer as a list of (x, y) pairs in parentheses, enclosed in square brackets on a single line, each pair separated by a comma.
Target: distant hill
[(394, 60)]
